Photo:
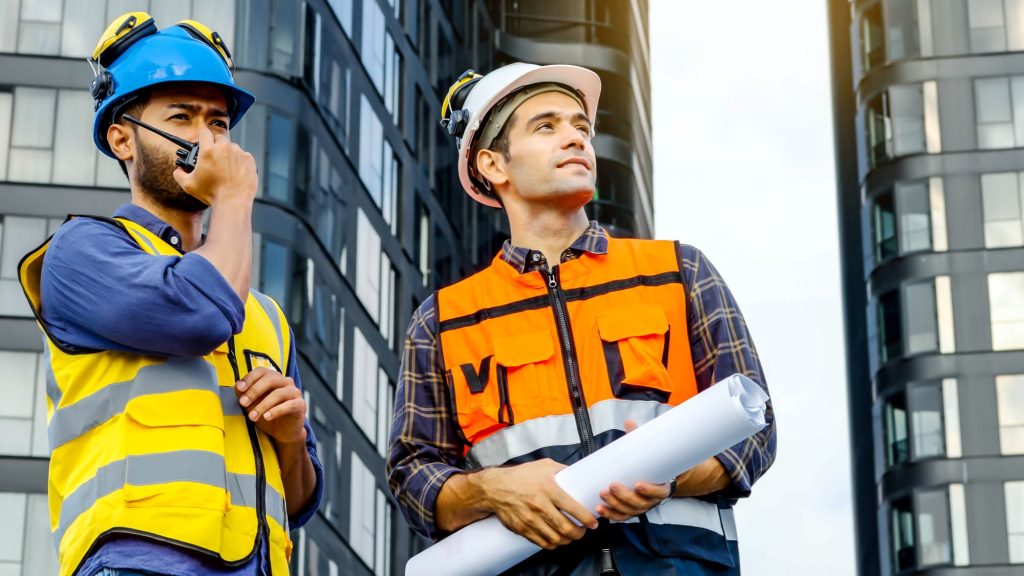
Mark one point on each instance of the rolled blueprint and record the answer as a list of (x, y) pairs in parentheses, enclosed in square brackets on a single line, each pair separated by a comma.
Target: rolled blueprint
[(684, 436)]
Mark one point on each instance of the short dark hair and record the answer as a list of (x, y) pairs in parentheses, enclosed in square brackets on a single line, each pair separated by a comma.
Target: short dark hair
[(135, 108)]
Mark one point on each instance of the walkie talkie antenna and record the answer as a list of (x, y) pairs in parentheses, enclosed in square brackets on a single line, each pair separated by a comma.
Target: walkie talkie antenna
[(189, 153)]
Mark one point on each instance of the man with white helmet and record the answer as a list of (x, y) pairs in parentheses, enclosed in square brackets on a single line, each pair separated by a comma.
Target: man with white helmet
[(567, 341), (178, 438)]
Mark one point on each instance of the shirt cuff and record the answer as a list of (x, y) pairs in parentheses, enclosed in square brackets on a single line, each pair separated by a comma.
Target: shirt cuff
[(421, 500), (202, 274), (738, 473), (304, 515)]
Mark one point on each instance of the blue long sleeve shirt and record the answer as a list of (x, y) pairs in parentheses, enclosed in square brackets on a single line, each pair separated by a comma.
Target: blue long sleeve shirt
[(98, 288)]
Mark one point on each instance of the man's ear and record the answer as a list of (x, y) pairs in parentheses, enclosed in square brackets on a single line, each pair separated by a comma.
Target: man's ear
[(490, 165), (120, 138)]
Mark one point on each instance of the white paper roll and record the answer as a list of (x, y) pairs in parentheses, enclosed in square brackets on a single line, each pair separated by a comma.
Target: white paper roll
[(710, 422)]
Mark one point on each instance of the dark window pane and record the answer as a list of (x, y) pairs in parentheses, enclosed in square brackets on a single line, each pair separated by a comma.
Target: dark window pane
[(896, 431), (885, 227), (280, 142), (871, 41), (902, 517), (889, 325)]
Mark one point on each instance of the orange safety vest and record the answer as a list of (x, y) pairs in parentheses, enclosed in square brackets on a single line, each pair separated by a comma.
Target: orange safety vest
[(601, 336), (550, 365)]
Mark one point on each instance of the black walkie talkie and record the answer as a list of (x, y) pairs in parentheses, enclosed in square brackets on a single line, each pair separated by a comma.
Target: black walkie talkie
[(189, 153)]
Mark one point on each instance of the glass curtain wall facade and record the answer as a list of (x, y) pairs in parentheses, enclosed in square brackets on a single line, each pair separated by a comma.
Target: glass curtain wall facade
[(359, 217), (929, 125)]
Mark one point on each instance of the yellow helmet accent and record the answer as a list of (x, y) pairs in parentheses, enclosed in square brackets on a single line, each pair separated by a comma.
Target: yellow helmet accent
[(122, 32), (204, 33), (465, 78)]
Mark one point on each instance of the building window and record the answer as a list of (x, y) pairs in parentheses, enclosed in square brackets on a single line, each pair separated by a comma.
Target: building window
[(987, 25), (370, 391), (380, 58), (916, 319), (1010, 401), (377, 278), (69, 28), (285, 34), (18, 236), (922, 333), (343, 12), (26, 543), (902, 532), (370, 516), (280, 144), (30, 149), (334, 98), (274, 270), (995, 25), (1003, 206), (872, 44), (933, 528), (1006, 309), (1015, 520), (23, 412), (897, 438), (995, 103), (903, 219), (362, 512), (379, 169), (923, 422), (902, 20), (421, 241), (896, 124), (885, 227), (930, 529)]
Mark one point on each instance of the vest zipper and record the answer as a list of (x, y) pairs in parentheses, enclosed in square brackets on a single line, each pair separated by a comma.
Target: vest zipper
[(261, 474), (579, 402)]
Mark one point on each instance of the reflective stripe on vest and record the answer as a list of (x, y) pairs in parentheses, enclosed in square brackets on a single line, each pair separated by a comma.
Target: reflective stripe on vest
[(506, 363), (161, 446), (559, 430), (148, 469), (691, 512)]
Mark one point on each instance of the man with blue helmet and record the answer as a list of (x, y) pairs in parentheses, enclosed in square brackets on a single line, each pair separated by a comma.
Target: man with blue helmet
[(177, 425)]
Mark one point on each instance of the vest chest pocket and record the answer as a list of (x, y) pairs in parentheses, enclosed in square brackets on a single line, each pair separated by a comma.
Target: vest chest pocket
[(635, 343), (503, 388), (175, 437)]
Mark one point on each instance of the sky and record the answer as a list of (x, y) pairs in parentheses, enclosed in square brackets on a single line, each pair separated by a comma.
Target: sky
[(744, 170)]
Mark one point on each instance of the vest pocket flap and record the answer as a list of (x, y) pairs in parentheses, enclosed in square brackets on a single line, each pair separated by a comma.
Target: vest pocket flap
[(623, 323), (181, 408), (524, 349)]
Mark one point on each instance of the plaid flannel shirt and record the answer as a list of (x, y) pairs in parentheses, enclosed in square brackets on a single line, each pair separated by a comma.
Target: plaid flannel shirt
[(425, 449)]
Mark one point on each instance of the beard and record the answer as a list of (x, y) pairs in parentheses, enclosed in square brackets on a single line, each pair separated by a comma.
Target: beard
[(155, 172)]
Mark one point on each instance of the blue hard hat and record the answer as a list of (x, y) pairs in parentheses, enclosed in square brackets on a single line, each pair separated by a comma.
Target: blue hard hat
[(174, 54)]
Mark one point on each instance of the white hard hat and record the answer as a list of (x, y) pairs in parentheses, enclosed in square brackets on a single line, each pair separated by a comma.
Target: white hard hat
[(473, 96)]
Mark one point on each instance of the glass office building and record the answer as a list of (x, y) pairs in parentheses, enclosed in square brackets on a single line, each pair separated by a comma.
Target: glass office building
[(929, 127), (359, 216)]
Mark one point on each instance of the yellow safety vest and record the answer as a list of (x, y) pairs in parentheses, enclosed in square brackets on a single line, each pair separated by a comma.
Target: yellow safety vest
[(159, 447)]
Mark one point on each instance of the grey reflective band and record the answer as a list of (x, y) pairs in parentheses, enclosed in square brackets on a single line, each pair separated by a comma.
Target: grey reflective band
[(271, 309), (52, 390), (559, 430), (152, 248), (161, 468), (173, 375), (691, 512)]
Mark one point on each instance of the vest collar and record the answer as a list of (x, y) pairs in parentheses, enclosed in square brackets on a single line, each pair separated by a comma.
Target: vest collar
[(150, 222)]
